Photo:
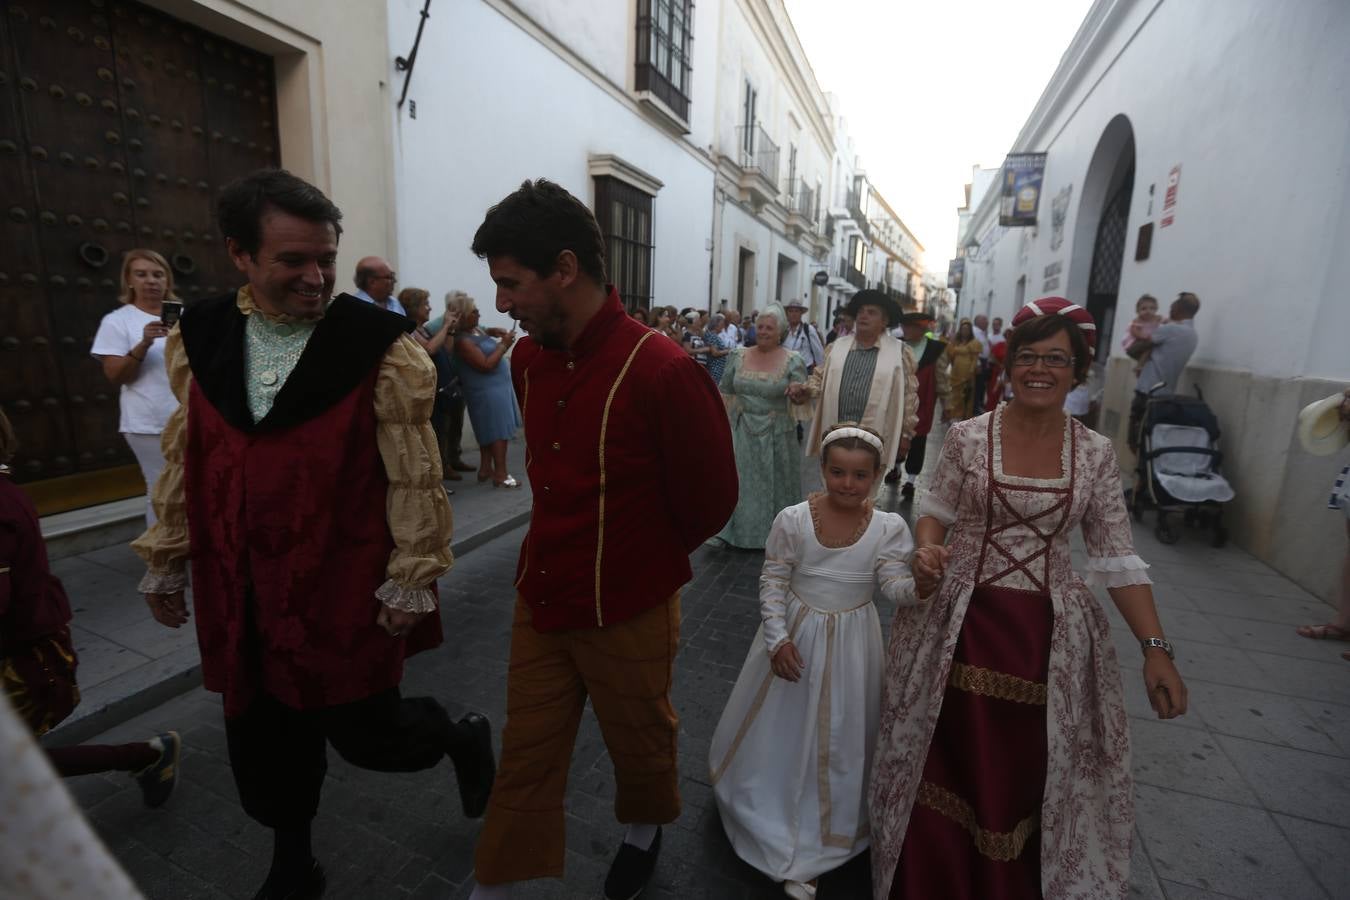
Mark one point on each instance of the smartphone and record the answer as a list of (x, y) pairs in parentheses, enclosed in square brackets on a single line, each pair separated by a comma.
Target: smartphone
[(170, 312)]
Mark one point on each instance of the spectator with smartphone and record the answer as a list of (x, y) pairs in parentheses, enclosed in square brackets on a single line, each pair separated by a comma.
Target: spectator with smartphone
[(130, 345), (485, 378)]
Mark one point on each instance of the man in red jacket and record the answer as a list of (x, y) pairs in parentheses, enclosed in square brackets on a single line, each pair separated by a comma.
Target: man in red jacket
[(299, 487), (606, 404)]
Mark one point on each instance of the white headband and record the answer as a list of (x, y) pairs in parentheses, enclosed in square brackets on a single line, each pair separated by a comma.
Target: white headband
[(841, 433)]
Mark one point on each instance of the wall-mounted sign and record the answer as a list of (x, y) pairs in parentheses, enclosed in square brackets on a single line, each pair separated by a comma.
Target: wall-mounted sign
[(821, 278), (1144, 245), (1052, 272), (1059, 214), (1020, 196), (1169, 210), (956, 273)]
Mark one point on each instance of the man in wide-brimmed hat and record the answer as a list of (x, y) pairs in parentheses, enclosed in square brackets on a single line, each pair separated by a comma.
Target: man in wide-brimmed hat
[(866, 377), (931, 376), (802, 337)]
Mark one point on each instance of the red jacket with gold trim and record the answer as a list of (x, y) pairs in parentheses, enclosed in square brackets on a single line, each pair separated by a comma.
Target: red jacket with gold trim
[(629, 457)]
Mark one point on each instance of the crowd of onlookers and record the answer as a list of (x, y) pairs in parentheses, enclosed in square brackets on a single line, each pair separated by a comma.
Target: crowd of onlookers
[(472, 373), (973, 356)]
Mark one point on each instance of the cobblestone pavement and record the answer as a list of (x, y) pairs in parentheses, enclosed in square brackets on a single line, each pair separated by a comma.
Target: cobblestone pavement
[(1247, 796)]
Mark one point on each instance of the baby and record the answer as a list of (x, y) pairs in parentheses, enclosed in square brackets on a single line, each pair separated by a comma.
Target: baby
[(1146, 321)]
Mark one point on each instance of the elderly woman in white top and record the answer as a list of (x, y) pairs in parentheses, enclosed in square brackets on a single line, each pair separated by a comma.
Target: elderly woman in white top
[(130, 344)]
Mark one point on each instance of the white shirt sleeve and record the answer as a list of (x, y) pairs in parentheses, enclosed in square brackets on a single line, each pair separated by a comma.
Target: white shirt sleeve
[(113, 338)]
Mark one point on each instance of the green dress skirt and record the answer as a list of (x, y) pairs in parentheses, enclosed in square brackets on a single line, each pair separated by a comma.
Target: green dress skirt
[(764, 434)]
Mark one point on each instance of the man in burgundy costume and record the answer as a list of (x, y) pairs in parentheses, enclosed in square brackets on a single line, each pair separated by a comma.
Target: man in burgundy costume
[(931, 373), (607, 405), (304, 485)]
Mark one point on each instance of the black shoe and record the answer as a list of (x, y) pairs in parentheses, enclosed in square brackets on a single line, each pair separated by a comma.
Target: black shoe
[(475, 768), (907, 491), (158, 779), (309, 887), (893, 475), (460, 465), (631, 870)]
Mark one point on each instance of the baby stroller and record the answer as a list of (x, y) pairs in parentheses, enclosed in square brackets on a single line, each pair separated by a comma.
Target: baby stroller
[(1178, 467)]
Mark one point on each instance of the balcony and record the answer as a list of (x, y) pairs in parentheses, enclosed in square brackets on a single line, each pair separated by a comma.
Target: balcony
[(855, 212), (801, 206), (851, 275), (757, 157)]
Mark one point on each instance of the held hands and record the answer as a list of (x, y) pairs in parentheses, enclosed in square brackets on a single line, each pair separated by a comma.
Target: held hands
[(787, 662), (168, 609), (508, 339), (449, 322), (397, 622), (929, 565), (796, 392), (1166, 691)]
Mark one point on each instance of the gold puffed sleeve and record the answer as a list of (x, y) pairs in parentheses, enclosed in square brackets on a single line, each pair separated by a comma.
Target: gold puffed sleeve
[(911, 420), (164, 546), (417, 506)]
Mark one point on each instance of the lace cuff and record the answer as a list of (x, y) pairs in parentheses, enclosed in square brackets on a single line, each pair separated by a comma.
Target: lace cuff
[(168, 582), (406, 599), (1116, 571), (934, 507)]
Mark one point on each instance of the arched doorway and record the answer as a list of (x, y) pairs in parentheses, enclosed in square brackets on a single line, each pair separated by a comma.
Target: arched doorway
[(1108, 255), (1101, 229)]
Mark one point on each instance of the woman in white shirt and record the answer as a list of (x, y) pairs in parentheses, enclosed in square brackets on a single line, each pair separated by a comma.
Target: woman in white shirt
[(130, 345)]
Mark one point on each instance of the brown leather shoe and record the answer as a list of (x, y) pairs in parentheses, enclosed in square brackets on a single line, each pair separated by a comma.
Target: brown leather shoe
[(452, 475)]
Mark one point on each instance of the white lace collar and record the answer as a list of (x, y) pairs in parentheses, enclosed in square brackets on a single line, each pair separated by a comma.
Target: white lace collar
[(1065, 456)]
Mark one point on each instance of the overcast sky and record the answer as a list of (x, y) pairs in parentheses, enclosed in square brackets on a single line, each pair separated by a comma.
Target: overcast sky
[(931, 87)]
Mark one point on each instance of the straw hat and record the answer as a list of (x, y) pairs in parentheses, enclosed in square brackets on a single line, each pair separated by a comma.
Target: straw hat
[(1320, 429)]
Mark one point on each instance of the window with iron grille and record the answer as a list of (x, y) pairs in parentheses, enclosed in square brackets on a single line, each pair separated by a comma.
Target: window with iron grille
[(624, 214), (665, 37)]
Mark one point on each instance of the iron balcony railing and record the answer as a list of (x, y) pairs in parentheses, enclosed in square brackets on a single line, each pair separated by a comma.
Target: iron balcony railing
[(854, 204), (851, 275), (757, 151), (802, 201)]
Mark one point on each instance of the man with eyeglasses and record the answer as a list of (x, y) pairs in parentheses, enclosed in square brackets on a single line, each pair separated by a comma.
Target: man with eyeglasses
[(375, 281)]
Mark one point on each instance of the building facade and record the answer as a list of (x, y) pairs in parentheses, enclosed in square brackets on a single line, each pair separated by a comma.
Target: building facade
[(1172, 166), (718, 170)]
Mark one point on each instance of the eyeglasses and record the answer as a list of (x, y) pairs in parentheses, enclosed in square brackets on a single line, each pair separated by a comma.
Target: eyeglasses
[(1055, 359)]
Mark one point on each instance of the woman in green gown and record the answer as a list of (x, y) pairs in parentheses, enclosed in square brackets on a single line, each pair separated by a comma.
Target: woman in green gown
[(763, 430)]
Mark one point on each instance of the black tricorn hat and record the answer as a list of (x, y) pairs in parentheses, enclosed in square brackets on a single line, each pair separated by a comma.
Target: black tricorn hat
[(913, 318), (877, 299)]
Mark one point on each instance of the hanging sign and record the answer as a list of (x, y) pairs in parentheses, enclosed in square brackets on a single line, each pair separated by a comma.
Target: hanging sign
[(956, 273), (1020, 196), (1169, 210)]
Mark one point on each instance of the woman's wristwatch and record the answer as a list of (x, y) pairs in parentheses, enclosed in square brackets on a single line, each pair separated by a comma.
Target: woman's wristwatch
[(1161, 643)]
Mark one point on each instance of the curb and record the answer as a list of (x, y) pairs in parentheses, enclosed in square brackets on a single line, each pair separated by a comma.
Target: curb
[(168, 678)]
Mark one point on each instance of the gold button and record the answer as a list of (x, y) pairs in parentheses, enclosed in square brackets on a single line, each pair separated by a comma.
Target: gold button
[(543, 572), (571, 365), (557, 446), (547, 489), (270, 378), (562, 404)]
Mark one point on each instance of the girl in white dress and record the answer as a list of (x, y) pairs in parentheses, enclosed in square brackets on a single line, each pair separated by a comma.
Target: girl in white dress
[(790, 758)]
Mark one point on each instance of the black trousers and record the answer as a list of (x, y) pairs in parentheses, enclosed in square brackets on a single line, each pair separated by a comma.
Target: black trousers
[(1137, 407), (279, 755), (918, 446), (447, 420)]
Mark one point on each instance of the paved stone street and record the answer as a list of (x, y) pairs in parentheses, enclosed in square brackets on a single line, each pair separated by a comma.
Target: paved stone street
[(1247, 796)]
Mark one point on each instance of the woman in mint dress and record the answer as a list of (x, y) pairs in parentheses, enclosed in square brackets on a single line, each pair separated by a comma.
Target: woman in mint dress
[(763, 430)]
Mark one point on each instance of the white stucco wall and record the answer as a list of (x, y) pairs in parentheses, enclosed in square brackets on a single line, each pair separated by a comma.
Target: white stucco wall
[(496, 105), (1250, 101), (1258, 118)]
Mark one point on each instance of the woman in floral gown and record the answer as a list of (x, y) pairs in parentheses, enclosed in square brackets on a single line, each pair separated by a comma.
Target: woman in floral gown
[(763, 430), (1003, 763)]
